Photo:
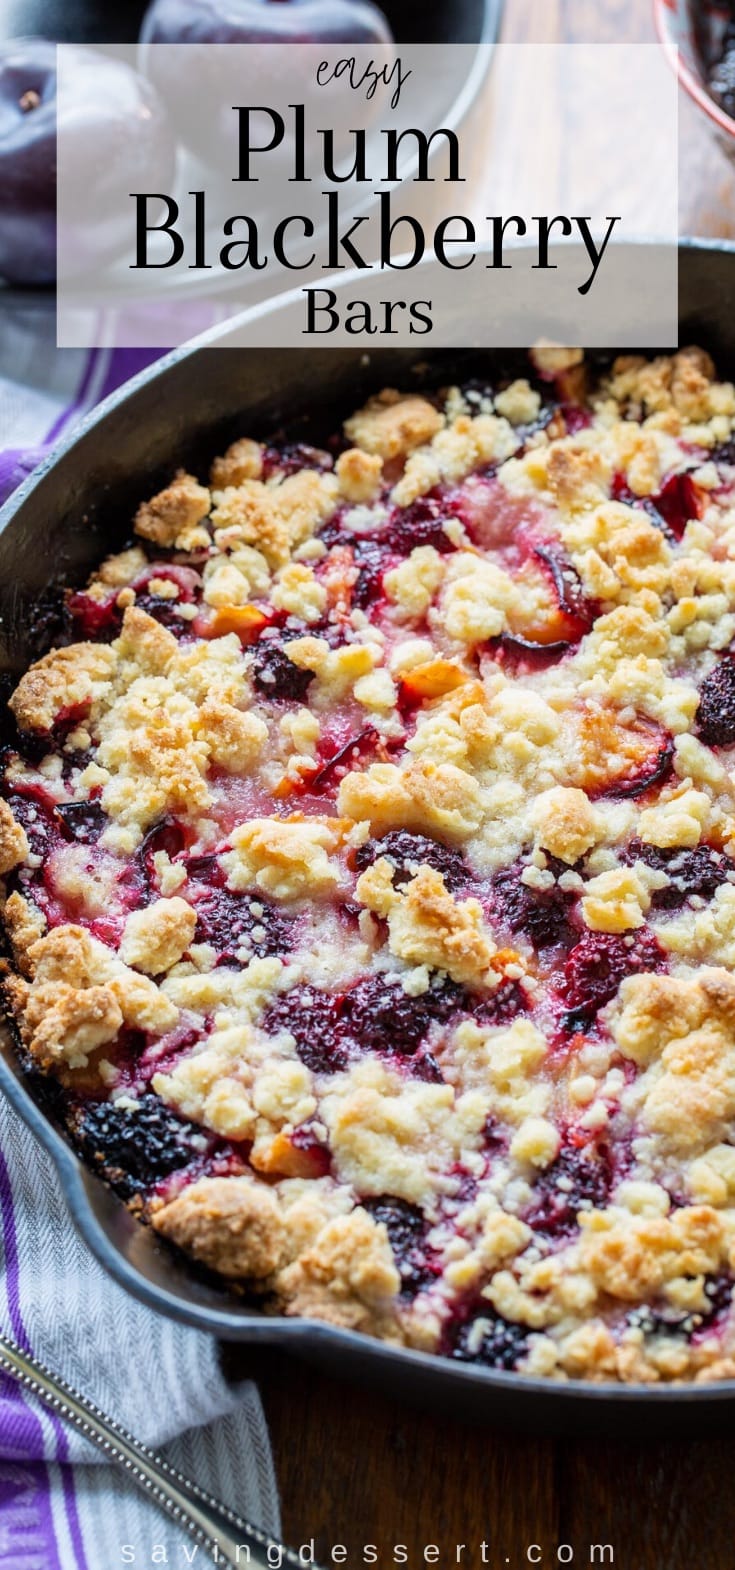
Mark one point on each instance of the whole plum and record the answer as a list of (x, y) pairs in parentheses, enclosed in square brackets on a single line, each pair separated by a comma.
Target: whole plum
[(264, 22), (114, 133), (199, 92), (28, 162)]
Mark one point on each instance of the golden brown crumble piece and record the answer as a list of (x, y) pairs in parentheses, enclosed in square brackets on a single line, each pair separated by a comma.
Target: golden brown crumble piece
[(157, 936), (242, 461), (276, 518), (172, 516), (635, 1258), (13, 841), (64, 680), (79, 997), (24, 926), (439, 796), (231, 1225), (120, 570), (682, 385), (347, 1277), (392, 425), (248, 514), (551, 358), (429, 927), (577, 478), (359, 474), (566, 823)]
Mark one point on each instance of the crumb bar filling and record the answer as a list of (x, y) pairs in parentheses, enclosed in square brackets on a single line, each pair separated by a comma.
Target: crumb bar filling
[(367, 867)]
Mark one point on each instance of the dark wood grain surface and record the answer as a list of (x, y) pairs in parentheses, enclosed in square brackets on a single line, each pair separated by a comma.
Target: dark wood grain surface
[(355, 1468)]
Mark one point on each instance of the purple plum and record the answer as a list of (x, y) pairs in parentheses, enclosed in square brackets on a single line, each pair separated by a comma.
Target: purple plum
[(264, 22), (114, 132), (28, 162), (199, 94)]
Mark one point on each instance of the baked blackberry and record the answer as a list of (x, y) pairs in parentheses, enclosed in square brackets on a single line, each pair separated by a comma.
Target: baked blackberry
[(137, 1145)]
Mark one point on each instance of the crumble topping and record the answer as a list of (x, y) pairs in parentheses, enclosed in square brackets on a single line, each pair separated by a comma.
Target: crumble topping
[(171, 517), (232, 1225), (13, 840), (392, 425), (155, 938), (367, 864)]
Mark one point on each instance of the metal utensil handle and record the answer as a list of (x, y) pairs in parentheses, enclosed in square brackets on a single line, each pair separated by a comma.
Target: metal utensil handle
[(215, 1527)]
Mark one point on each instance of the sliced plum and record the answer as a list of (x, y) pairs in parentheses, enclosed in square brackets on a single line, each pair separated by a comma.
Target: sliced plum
[(523, 655), (672, 507), (622, 760), (494, 518), (570, 616), (421, 523), (310, 1145), (572, 602), (285, 458), (82, 820), (654, 771), (97, 619), (372, 558), (342, 760), (167, 836), (423, 1065)]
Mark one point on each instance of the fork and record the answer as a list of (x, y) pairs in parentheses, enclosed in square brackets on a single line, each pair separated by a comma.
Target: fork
[(230, 1540)]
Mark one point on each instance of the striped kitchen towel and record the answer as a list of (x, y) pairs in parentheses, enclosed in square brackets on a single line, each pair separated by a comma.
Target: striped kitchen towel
[(61, 1506)]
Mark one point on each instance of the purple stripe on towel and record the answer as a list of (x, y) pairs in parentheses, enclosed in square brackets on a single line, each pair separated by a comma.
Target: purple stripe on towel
[(26, 1537), (78, 405), (26, 1518), (10, 1251), (23, 1430), (70, 1498), (16, 463), (123, 364), (25, 1427)]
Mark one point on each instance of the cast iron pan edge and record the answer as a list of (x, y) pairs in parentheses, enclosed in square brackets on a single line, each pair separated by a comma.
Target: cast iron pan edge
[(30, 525)]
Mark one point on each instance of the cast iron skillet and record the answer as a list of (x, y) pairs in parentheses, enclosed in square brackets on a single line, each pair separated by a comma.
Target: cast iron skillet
[(72, 511)]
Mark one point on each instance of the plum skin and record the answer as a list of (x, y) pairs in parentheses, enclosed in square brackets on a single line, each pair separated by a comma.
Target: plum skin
[(28, 162), (113, 127), (243, 22), (264, 21)]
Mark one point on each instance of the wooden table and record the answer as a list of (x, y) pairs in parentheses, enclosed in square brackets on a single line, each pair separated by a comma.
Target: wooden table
[(355, 1468)]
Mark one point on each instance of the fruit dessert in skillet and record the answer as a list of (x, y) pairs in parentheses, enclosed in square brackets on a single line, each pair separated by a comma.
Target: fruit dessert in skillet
[(368, 854)]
